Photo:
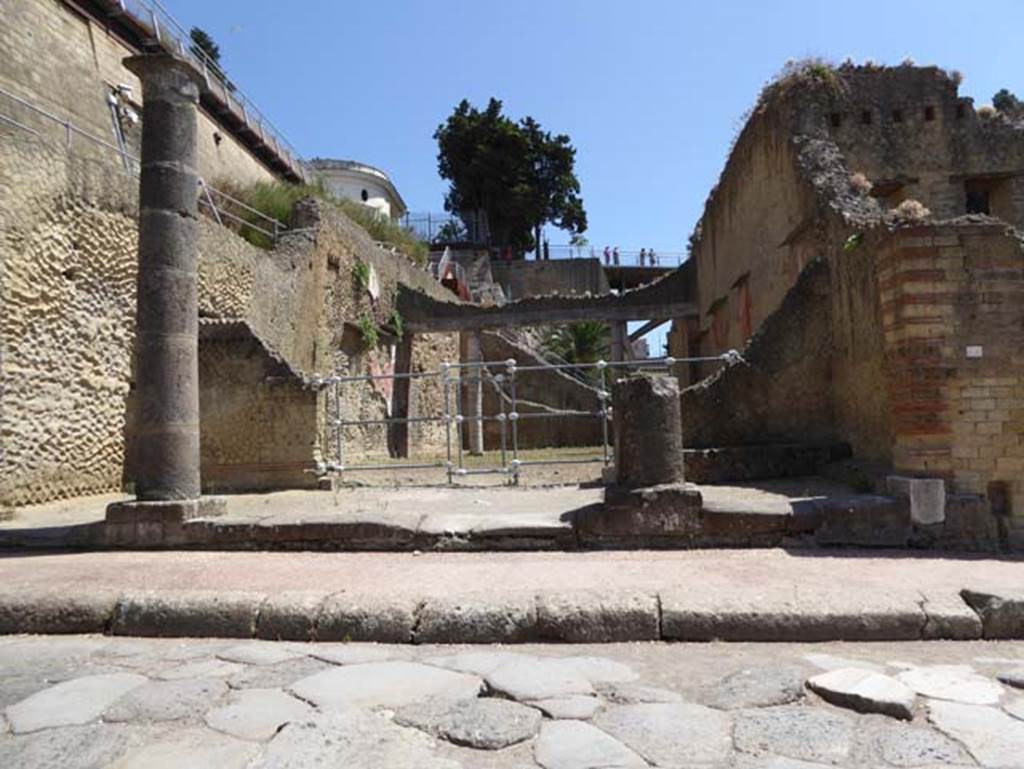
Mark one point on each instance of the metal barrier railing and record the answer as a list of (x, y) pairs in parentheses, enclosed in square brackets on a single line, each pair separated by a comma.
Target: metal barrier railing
[(171, 36), (454, 378), (220, 205)]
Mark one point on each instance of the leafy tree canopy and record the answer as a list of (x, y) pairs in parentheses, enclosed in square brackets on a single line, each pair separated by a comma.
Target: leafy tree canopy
[(1007, 101), (203, 43), (515, 176)]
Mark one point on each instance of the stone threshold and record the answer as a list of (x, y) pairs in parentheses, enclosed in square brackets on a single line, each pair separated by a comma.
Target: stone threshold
[(573, 616)]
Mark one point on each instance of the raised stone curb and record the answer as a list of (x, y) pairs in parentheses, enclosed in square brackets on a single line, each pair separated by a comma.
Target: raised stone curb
[(598, 617), (572, 616), (193, 613), (477, 619), (56, 613)]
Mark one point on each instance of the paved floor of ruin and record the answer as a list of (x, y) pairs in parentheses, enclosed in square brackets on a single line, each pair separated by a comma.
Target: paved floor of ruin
[(86, 701), (439, 508)]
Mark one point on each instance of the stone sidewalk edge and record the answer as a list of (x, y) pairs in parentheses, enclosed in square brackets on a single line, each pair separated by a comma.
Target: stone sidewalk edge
[(550, 616)]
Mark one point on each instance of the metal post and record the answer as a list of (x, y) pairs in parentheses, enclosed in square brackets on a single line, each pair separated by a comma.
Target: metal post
[(514, 418), (338, 438), (446, 384), (459, 420), (475, 393), (502, 421), (604, 411)]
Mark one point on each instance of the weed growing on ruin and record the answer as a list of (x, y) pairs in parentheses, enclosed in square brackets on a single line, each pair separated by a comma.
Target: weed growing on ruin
[(813, 71), (368, 331), (361, 274), (396, 324), (910, 211), (860, 183), (853, 242), (276, 199)]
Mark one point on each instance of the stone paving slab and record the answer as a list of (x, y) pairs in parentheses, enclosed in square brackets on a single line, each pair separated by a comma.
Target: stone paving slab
[(516, 598), (651, 711)]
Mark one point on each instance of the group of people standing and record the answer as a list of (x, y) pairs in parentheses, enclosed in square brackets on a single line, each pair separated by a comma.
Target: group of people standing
[(647, 255)]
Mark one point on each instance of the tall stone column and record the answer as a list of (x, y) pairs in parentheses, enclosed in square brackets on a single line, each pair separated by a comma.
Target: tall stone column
[(398, 432), (165, 430), (620, 340), (473, 393)]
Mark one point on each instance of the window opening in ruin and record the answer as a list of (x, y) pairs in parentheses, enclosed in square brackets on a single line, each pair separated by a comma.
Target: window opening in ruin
[(929, 113), (978, 200), (364, 195), (865, 117), (897, 116), (836, 119)]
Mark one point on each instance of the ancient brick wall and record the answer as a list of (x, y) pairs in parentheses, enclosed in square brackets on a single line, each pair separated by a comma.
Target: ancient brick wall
[(953, 312), (66, 63), (521, 278)]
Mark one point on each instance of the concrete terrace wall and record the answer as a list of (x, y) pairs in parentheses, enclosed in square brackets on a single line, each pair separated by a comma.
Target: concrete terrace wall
[(66, 63), (953, 309)]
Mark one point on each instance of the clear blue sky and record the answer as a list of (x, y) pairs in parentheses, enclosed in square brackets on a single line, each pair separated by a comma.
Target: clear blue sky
[(649, 90)]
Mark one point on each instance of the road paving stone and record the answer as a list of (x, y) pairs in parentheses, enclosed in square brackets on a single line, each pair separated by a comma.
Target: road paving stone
[(257, 714), (166, 700), (670, 735), (259, 653), (1013, 677), (383, 684), (994, 738), (417, 712), (353, 739), (533, 679), (958, 683), (865, 691), (578, 745), (910, 745), (576, 706), (77, 701), (485, 723), (757, 687), (795, 731)]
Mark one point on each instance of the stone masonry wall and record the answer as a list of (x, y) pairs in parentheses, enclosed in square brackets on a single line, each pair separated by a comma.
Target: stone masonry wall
[(780, 393), (68, 240), (521, 278), (953, 310)]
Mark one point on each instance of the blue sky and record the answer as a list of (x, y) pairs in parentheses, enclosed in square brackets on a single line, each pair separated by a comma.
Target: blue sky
[(650, 91)]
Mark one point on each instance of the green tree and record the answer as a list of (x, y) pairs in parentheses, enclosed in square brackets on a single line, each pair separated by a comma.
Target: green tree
[(1006, 101), (203, 44), (516, 177), (586, 341)]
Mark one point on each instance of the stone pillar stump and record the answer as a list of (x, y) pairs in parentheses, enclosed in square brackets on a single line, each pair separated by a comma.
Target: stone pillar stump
[(648, 430)]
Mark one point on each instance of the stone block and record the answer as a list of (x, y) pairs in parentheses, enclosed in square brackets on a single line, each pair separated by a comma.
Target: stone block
[(927, 497), (865, 521), (188, 613), (144, 523), (384, 619), (1001, 611), (290, 615), (648, 430), (51, 613), (668, 513), (598, 616), (969, 524), (477, 619)]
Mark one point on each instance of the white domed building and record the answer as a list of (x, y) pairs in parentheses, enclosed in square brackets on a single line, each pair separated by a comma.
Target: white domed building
[(352, 180)]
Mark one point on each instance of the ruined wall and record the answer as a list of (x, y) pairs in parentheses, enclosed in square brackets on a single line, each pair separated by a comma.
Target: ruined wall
[(953, 313), (258, 424), (907, 129), (780, 393), (522, 278), (754, 236), (64, 62)]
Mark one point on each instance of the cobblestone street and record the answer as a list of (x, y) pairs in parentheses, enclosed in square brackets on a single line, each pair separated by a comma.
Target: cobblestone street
[(87, 701)]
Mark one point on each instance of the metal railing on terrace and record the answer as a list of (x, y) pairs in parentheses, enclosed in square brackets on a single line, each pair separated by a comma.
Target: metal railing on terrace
[(165, 31), (55, 129), (622, 258)]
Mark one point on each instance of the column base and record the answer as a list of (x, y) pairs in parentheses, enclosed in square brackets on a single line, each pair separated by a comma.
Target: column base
[(142, 523)]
